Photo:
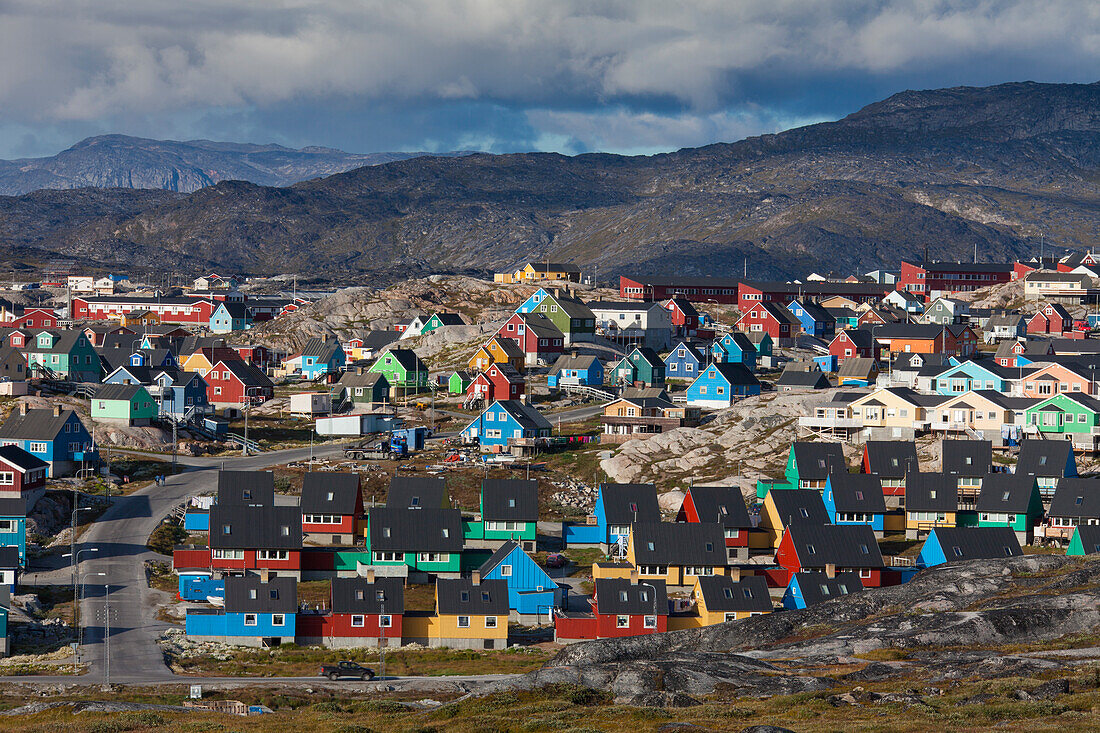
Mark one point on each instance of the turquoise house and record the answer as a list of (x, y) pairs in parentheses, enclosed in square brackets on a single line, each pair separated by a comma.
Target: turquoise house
[(228, 317), (720, 384), (1085, 541), (970, 375), (950, 544), (13, 526), (735, 348)]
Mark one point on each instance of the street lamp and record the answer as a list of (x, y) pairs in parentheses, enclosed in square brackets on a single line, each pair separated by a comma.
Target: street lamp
[(79, 628), (76, 564), (72, 538), (654, 589)]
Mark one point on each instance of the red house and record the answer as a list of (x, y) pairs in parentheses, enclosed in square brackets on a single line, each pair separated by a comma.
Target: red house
[(21, 473), (834, 548), (36, 318), (170, 310), (498, 382), (365, 612), (1051, 319), (255, 355), (685, 319), (930, 280), (17, 338), (233, 382), (620, 607), (536, 334), (331, 506), (725, 505), (959, 340), (772, 319), (256, 537), (854, 342)]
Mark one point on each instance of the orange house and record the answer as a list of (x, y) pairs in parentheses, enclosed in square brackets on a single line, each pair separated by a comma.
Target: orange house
[(1056, 379), (498, 350), (911, 338)]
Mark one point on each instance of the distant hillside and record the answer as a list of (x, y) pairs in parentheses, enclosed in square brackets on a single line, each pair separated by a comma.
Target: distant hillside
[(119, 161), (946, 170)]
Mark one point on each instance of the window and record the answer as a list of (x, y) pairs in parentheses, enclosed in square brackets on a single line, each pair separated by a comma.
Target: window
[(490, 622), (387, 557), (957, 551), (463, 622), (250, 619), (272, 554), (278, 619), (37, 447), (7, 478), (649, 622), (506, 571), (227, 554), (622, 622), (385, 621), (358, 620), (865, 573)]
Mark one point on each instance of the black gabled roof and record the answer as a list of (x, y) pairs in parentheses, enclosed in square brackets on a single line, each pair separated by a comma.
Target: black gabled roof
[(331, 493), (817, 587), (793, 377), (722, 504), (420, 530), (967, 457), (237, 527), (358, 595), (1076, 497), (629, 503), (1006, 492), (1044, 457), (40, 424), (125, 392), (246, 488), (9, 556), (842, 545), (16, 456), (248, 593), (461, 597), (1090, 538), (931, 492), (510, 500), (799, 506), (892, 458), (412, 492), (735, 373), (679, 543), (815, 461), (722, 593), (857, 492), (13, 506), (620, 596), (498, 557), (977, 543)]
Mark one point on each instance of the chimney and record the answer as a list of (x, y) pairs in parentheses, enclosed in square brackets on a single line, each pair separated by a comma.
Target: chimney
[(22, 408), (475, 577), (830, 570), (370, 575), (735, 574), (634, 577), (57, 410), (265, 575)]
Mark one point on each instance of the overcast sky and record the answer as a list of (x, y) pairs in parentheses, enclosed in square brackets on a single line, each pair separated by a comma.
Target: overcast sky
[(623, 76)]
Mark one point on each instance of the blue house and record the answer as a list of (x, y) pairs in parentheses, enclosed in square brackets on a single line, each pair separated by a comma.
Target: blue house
[(855, 498), (617, 507), (228, 317), (948, 544), (505, 420), (683, 362), (319, 357), (532, 594), (815, 320), (13, 526), (256, 613), (810, 588), (9, 568), (177, 393), (56, 436), (199, 585), (972, 375), (734, 348), (575, 369), (720, 384)]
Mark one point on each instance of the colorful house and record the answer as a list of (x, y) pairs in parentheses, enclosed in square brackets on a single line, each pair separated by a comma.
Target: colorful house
[(458, 382), (498, 350), (504, 422), (438, 320), (813, 319), (572, 317), (854, 343), (364, 612), (403, 370), (417, 492), (319, 357), (1049, 461), (772, 319), (532, 594), (931, 502), (969, 461), (676, 553), (640, 366), (1052, 318), (258, 612), (685, 318), (720, 384), (950, 544), (429, 540), (855, 498), (363, 387), (123, 404), (249, 537), (498, 382), (834, 548), (56, 437), (13, 526), (684, 361), (331, 506), (810, 588), (622, 607), (575, 369), (725, 506), (734, 348), (470, 613), (1006, 500), (229, 317), (22, 475), (783, 509), (1076, 503), (536, 335), (972, 375), (510, 511), (538, 271), (13, 365), (1074, 416), (63, 355), (890, 461), (857, 371), (232, 382), (717, 599), (617, 507), (1085, 541)]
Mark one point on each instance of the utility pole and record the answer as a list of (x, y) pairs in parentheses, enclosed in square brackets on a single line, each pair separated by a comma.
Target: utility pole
[(107, 633)]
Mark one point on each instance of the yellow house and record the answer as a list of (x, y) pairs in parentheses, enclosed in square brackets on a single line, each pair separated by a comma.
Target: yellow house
[(783, 507), (892, 407), (931, 500), (497, 350), (470, 614), (984, 411), (141, 317), (677, 552), (537, 271), (197, 362), (839, 301), (721, 598)]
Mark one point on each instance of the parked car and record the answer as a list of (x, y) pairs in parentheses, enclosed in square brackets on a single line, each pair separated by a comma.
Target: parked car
[(555, 560), (346, 669)]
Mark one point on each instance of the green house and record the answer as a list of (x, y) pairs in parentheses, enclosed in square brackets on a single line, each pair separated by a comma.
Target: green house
[(808, 467), (438, 320), (572, 317), (429, 540), (510, 511), (459, 381), (641, 365), (63, 355), (123, 404), (1085, 541), (1006, 500), (1073, 414), (361, 386), (403, 370)]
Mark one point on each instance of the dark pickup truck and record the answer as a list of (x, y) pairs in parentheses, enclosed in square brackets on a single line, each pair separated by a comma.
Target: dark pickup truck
[(347, 669)]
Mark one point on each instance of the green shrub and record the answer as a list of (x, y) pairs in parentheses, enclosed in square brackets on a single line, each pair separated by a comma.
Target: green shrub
[(165, 537)]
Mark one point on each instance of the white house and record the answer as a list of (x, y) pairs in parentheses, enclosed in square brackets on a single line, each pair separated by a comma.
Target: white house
[(635, 322)]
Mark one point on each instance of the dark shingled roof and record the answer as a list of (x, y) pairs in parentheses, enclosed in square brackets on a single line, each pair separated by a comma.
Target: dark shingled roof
[(512, 500), (1006, 492), (358, 595), (1076, 497), (931, 492), (842, 545), (817, 587), (815, 461), (620, 596), (679, 543), (977, 543), (248, 593), (892, 458), (16, 456), (255, 527), (324, 492), (1047, 458), (36, 424), (13, 506), (967, 457), (721, 593), (799, 506), (722, 504), (629, 503), (246, 488), (857, 492), (461, 597), (420, 530), (412, 492), (1090, 538)]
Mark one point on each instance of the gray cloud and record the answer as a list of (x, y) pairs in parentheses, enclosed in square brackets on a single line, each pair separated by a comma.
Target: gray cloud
[(617, 74)]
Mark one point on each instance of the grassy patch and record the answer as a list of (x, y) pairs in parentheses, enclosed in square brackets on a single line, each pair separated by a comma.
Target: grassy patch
[(165, 537), (886, 654)]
